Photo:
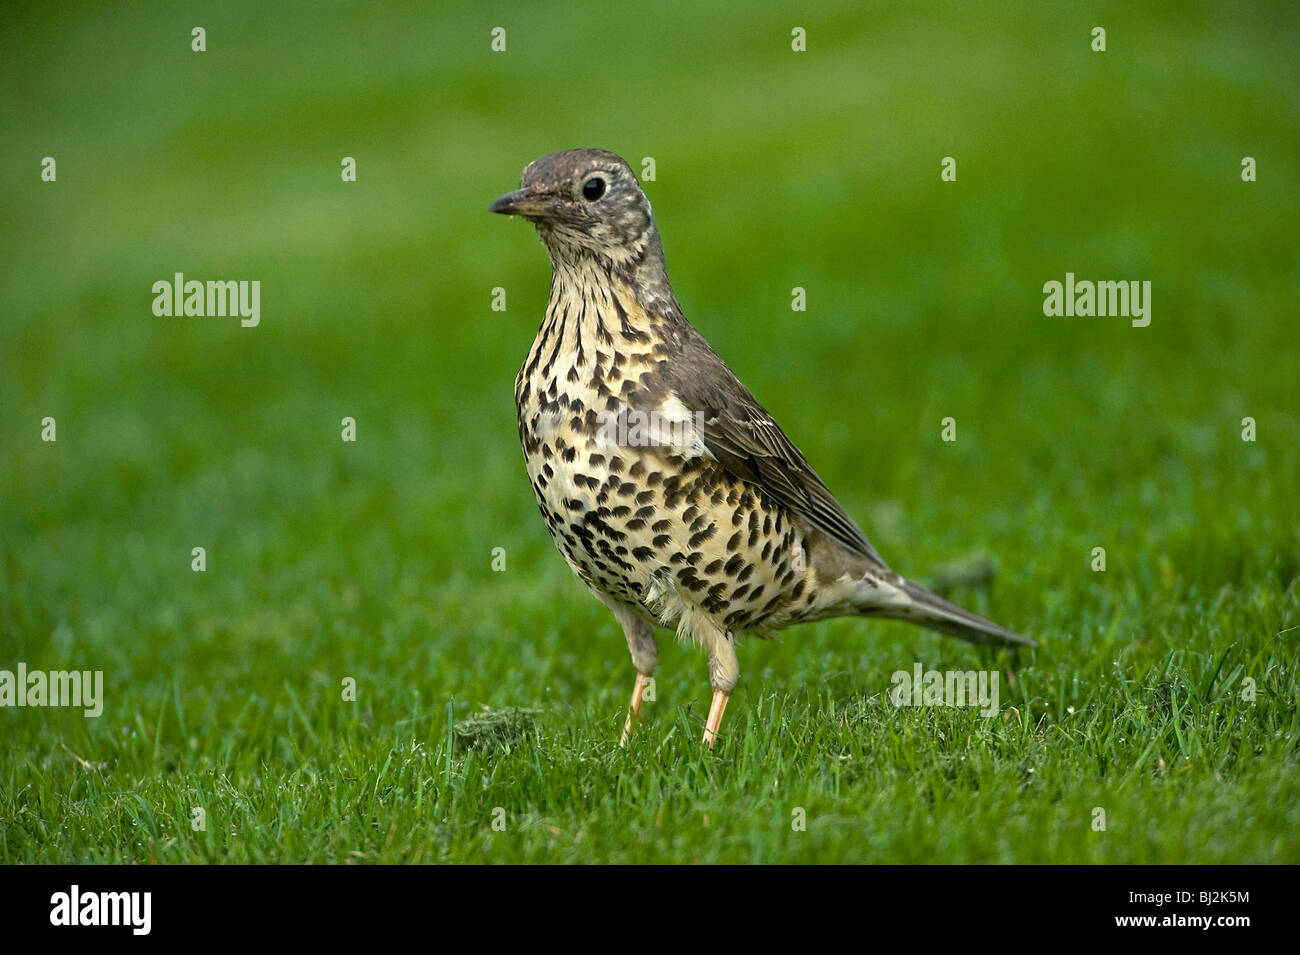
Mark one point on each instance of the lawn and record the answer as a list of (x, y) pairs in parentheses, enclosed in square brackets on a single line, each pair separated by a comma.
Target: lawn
[(349, 679)]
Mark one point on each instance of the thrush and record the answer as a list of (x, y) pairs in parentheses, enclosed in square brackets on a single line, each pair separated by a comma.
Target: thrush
[(669, 490)]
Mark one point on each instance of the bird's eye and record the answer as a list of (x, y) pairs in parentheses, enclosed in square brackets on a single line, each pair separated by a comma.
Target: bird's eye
[(593, 188)]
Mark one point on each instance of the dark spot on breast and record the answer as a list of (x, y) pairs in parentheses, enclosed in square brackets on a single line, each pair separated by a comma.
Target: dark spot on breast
[(702, 536)]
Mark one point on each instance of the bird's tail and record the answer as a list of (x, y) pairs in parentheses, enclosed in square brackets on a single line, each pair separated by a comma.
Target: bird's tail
[(914, 603)]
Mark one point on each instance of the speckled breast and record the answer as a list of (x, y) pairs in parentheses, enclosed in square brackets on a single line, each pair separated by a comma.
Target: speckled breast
[(647, 517)]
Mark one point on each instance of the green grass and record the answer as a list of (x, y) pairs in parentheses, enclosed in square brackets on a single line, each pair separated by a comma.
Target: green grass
[(372, 560)]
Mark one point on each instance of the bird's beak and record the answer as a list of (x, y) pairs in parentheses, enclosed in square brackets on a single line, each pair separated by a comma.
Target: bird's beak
[(522, 202)]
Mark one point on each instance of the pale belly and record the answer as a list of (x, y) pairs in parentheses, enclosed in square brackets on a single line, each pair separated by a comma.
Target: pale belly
[(671, 534)]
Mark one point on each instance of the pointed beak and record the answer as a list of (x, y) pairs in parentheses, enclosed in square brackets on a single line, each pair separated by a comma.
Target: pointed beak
[(522, 202)]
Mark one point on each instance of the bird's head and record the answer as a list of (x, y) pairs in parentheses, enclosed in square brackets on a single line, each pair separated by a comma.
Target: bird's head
[(586, 203)]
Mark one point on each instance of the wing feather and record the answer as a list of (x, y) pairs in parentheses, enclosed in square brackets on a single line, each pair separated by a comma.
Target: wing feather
[(748, 442)]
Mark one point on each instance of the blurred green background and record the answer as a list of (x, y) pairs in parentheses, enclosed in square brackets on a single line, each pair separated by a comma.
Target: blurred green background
[(775, 169)]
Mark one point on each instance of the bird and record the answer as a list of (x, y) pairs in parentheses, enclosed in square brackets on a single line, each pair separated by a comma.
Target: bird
[(667, 488)]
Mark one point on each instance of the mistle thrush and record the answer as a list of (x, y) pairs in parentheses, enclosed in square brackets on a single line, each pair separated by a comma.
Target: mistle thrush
[(667, 487)]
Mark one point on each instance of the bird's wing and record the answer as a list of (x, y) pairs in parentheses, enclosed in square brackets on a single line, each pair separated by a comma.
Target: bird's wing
[(744, 438)]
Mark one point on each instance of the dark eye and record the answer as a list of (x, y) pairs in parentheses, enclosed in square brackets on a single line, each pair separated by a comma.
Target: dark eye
[(593, 188)]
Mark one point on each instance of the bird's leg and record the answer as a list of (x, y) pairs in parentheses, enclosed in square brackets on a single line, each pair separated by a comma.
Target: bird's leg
[(714, 722), (724, 673), (644, 648), (634, 708)]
